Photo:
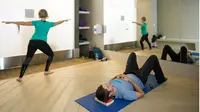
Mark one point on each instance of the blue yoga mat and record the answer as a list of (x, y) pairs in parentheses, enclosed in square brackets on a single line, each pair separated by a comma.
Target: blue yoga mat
[(91, 105), (195, 56), (195, 53)]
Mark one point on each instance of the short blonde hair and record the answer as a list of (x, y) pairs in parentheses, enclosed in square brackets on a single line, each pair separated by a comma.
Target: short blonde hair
[(43, 13), (144, 19)]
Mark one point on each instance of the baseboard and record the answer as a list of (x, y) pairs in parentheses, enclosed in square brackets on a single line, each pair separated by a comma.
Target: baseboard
[(14, 62), (119, 46), (76, 53)]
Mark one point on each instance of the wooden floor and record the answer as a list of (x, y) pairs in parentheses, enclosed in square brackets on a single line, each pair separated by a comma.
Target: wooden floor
[(57, 92), (10, 73)]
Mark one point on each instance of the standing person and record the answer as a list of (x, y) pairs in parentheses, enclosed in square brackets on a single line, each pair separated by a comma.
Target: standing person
[(38, 40), (143, 32)]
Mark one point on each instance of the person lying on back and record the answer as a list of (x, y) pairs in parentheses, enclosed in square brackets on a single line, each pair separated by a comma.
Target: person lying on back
[(184, 55), (128, 86)]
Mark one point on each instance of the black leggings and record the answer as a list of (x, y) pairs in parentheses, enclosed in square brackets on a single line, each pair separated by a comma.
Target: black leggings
[(145, 38), (32, 47), (180, 57), (152, 63)]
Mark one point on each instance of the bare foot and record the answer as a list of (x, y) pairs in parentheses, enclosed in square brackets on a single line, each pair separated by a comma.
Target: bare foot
[(48, 72), (19, 79)]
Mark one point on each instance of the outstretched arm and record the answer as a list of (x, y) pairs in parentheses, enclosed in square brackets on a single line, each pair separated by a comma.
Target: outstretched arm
[(60, 22), (137, 23), (28, 23)]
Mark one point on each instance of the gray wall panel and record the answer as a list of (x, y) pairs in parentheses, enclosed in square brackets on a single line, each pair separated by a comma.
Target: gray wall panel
[(179, 18)]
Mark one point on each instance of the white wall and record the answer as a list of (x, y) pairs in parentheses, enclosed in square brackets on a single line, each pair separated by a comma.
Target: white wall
[(60, 37), (116, 30)]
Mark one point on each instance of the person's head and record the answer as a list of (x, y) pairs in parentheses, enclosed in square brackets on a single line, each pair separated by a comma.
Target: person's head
[(43, 14), (105, 92), (143, 19)]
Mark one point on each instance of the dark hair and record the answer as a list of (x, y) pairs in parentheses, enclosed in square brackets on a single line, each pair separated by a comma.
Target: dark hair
[(144, 19), (43, 13), (102, 94)]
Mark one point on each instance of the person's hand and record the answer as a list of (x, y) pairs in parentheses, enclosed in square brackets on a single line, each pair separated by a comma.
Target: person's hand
[(126, 78), (6, 22), (67, 20), (119, 75)]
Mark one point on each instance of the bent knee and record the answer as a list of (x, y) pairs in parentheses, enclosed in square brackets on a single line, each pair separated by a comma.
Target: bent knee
[(153, 57), (51, 55), (133, 54), (167, 47), (183, 48)]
